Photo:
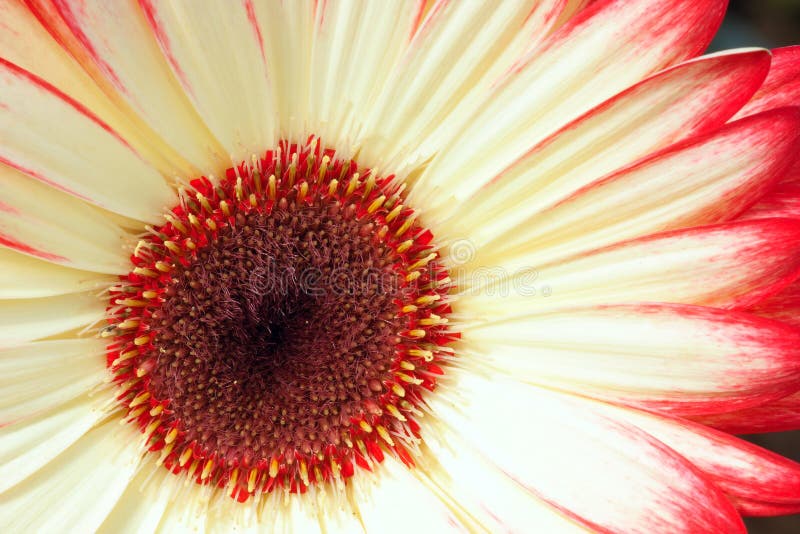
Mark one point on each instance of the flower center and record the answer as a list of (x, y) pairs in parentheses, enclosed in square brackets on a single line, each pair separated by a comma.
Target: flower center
[(282, 326)]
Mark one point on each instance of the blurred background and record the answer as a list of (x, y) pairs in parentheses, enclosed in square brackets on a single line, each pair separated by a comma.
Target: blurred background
[(767, 23)]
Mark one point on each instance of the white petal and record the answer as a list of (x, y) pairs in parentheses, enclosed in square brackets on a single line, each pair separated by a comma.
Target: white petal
[(39, 376), (397, 487), (450, 57), (711, 180), (24, 320), (51, 137), (27, 446), (76, 491), (483, 491)]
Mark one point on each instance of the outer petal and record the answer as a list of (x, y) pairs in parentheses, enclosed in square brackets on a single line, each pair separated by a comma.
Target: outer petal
[(609, 46), (755, 478), (217, 52), (24, 320), (782, 86), (728, 265), (776, 416), (705, 180), (636, 483), (56, 140), (680, 359), (38, 376), (77, 490), (113, 43), (689, 100), (23, 277), (39, 221), (27, 446)]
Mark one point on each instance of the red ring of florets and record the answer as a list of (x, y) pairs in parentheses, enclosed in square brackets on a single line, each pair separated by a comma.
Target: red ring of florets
[(289, 175)]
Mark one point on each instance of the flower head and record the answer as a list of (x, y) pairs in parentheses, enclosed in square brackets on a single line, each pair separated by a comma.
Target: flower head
[(342, 266)]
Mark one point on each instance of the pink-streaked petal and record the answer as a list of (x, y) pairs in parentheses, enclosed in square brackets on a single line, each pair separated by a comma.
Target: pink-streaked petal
[(216, 51), (686, 360), (783, 200), (689, 100), (606, 48), (50, 225), (56, 140), (704, 180), (26, 43), (112, 41), (783, 306), (776, 416), (730, 265), (605, 472), (754, 478), (782, 86)]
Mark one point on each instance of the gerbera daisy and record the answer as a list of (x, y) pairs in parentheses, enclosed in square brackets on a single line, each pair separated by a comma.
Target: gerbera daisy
[(394, 265)]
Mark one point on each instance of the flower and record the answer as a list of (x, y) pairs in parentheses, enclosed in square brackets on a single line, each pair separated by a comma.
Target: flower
[(343, 266)]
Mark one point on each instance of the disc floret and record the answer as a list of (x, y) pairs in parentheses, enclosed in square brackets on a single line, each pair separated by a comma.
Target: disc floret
[(246, 373)]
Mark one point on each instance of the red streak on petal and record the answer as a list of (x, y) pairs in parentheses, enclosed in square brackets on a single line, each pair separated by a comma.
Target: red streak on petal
[(150, 13), (65, 9), (10, 242), (251, 17)]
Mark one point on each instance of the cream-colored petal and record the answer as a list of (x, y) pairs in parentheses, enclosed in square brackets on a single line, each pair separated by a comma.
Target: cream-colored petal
[(38, 376), (25, 42), (609, 474), (726, 265), (481, 490), (688, 360), (22, 277), (144, 502), (39, 221), (217, 52), (598, 53), (56, 140), (447, 65), (28, 445), (23, 320), (705, 181), (690, 100), (114, 43), (76, 490)]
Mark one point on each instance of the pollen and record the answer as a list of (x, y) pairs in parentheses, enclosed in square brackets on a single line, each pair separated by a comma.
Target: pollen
[(283, 326)]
